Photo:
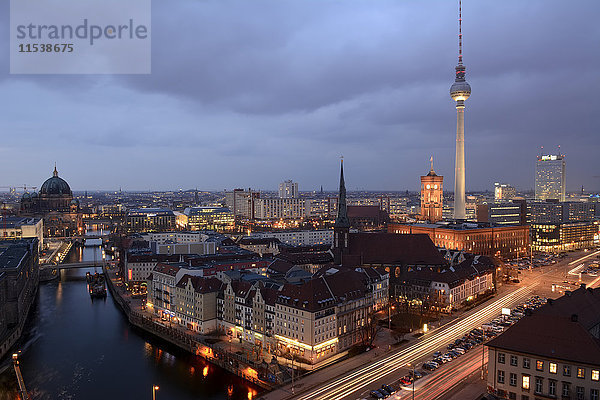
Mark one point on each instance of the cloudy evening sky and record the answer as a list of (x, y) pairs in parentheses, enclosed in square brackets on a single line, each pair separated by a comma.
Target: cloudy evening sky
[(248, 93)]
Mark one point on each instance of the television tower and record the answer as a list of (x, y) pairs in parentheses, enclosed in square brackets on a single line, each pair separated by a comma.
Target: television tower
[(460, 91)]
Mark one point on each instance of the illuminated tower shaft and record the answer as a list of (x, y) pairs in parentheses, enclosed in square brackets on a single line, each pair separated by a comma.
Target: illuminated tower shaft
[(460, 91), (459, 168)]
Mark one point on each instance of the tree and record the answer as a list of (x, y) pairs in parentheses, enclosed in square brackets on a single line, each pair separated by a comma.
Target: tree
[(370, 330)]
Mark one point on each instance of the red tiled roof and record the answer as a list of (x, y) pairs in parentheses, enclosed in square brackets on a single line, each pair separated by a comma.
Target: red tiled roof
[(393, 249), (167, 269)]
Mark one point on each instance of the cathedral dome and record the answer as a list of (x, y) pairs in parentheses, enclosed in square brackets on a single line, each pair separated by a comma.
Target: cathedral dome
[(55, 186)]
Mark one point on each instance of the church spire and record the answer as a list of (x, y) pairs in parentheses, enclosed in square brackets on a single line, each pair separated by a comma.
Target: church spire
[(55, 173), (341, 221)]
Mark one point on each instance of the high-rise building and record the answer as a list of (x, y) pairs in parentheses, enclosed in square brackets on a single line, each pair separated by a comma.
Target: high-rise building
[(432, 196), (460, 91), (241, 202), (550, 182), (504, 191), (288, 189)]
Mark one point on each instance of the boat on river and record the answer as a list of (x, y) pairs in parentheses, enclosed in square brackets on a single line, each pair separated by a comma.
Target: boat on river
[(96, 285)]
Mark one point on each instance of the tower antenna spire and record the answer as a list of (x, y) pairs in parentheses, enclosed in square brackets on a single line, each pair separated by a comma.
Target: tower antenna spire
[(459, 32)]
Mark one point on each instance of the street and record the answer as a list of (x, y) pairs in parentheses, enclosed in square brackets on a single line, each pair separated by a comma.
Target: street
[(357, 383)]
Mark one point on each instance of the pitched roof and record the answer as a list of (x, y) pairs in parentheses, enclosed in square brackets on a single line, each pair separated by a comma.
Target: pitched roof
[(559, 330), (167, 269), (394, 249), (321, 257), (200, 284)]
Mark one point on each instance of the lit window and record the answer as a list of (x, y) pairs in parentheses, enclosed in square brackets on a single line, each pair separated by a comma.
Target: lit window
[(581, 373), (595, 375), (539, 365), (526, 382), (553, 368)]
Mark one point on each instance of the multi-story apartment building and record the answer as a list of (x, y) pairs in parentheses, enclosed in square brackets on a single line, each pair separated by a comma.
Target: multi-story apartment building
[(551, 353), (196, 303), (300, 238), (313, 320), (288, 189), (279, 208), (241, 202)]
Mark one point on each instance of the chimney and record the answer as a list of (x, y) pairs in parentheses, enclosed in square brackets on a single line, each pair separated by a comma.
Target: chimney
[(573, 317)]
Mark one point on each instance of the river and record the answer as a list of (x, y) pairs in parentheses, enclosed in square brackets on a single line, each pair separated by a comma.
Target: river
[(76, 348)]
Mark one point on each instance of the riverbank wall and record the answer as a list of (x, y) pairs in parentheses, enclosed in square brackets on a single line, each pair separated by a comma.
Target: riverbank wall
[(232, 362)]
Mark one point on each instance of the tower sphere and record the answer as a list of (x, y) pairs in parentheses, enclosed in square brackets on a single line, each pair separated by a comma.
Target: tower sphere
[(460, 91)]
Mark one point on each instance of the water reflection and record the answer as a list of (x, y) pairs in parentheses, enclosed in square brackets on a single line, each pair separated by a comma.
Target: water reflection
[(76, 348)]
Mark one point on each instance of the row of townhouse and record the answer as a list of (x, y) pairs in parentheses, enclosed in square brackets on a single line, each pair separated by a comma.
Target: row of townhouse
[(313, 320)]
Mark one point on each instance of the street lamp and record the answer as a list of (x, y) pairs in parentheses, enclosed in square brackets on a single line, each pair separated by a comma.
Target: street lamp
[(154, 389)]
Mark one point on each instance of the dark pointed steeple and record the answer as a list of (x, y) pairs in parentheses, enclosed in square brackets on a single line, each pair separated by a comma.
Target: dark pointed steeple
[(341, 228), (55, 173), (342, 221)]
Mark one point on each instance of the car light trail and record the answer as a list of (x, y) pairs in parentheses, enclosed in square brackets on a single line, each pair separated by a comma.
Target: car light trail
[(584, 257), (362, 377)]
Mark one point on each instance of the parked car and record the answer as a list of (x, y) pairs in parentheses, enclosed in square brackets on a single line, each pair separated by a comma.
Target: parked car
[(388, 388), (376, 394)]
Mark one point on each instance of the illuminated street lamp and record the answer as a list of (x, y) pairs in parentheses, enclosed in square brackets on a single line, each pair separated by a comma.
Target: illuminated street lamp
[(154, 389)]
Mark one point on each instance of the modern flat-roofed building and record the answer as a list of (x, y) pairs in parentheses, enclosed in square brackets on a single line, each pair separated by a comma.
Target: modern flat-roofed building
[(300, 238), (550, 179), (503, 192), (288, 189), (241, 202), (16, 228), (550, 353), (19, 278), (502, 214), (554, 212), (218, 219), (554, 238), (150, 220)]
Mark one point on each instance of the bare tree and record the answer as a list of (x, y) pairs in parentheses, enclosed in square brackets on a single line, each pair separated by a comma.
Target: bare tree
[(370, 330)]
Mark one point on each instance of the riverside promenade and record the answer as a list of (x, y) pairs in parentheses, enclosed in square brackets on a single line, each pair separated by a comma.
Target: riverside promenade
[(225, 355)]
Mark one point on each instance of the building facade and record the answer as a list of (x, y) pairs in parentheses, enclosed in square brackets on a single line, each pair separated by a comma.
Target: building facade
[(17, 228), (218, 219), (504, 192), (288, 190), (432, 196), (550, 178), (19, 278), (551, 353), (483, 239), (555, 238), (150, 220)]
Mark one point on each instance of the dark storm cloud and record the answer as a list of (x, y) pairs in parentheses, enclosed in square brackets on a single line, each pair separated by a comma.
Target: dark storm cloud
[(247, 93)]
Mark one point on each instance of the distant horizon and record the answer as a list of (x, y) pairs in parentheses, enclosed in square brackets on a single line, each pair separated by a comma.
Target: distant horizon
[(293, 87)]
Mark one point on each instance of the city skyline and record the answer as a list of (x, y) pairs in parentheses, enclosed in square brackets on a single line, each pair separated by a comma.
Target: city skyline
[(284, 99)]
